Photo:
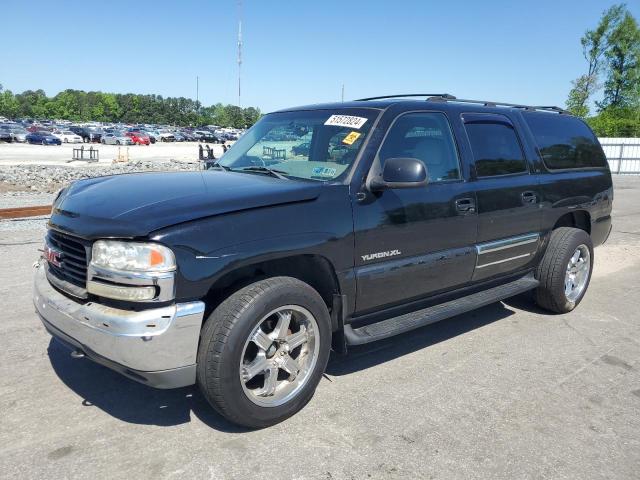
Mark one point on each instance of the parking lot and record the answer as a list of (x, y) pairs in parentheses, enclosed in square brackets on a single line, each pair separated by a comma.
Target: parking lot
[(508, 391), (23, 154)]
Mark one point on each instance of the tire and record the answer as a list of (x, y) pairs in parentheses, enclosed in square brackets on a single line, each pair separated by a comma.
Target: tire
[(226, 350), (66, 140), (117, 142), (556, 292), (44, 143)]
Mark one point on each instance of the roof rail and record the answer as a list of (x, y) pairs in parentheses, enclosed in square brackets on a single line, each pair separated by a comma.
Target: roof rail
[(445, 97), (490, 103), (440, 95)]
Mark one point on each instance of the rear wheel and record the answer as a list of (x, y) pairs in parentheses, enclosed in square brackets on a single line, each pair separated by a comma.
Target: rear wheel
[(565, 270), (263, 351)]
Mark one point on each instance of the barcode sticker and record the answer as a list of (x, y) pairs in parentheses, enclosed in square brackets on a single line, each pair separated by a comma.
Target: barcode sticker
[(345, 121)]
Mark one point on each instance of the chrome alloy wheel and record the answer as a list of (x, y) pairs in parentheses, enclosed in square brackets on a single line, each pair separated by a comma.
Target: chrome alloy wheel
[(279, 356), (577, 274)]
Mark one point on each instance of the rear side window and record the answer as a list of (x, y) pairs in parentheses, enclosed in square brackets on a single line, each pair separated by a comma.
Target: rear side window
[(565, 141), (495, 145)]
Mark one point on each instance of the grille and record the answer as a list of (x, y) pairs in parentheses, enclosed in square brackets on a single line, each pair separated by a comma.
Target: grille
[(73, 268)]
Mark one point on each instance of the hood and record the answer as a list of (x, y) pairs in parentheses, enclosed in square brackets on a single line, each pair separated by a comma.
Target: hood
[(134, 205)]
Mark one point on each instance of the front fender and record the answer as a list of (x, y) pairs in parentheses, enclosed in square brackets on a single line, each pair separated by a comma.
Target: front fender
[(210, 248)]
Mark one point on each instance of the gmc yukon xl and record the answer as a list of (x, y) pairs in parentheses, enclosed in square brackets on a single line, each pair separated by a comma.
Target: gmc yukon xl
[(398, 212)]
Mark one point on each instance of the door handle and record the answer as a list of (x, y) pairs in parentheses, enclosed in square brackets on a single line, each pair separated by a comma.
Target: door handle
[(529, 197), (465, 205)]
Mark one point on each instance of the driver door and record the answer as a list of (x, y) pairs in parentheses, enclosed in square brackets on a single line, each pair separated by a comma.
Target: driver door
[(414, 242)]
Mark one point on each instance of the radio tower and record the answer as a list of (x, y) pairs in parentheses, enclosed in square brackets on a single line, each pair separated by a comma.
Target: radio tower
[(239, 51)]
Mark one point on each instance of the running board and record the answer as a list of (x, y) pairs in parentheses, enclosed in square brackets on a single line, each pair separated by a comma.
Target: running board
[(420, 318)]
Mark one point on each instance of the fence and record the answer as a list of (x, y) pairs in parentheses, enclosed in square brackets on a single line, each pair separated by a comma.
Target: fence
[(623, 154)]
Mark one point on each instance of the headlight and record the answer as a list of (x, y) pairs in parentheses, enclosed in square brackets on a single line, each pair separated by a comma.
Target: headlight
[(131, 256)]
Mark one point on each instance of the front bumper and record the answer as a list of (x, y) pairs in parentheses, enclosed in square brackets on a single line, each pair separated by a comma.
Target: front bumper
[(156, 347)]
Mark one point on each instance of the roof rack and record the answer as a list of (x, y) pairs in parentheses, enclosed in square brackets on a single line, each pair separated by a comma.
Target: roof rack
[(445, 97), (439, 95)]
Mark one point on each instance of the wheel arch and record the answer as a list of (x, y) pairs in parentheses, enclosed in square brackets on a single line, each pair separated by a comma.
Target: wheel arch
[(315, 270), (577, 219)]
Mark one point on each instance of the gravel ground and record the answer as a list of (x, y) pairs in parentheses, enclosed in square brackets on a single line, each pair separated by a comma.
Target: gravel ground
[(48, 178), (508, 391), (24, 199)]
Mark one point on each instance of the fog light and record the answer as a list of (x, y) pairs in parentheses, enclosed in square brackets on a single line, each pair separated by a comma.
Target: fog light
[(132, 294)]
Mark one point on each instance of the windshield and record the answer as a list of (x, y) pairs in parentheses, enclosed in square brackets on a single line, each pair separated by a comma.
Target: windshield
[(311, 144)]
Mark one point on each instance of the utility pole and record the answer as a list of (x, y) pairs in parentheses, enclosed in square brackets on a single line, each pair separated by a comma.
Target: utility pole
[(342, 93), (197, 90), (239, 51)]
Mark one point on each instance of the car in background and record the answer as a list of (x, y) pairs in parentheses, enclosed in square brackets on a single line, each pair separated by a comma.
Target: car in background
[(88, 135), (5, 135), (166, 136), (208, 137), (138, 138), (152, 134), (17, 132), (189, 136), (180, 137), (67, 136), (42, 137), (116, 138)]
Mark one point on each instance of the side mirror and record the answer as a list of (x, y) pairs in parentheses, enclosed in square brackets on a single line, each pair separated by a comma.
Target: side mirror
[(400, 173)]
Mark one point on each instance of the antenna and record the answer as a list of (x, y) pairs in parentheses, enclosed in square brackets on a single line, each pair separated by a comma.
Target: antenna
[(239, 51)]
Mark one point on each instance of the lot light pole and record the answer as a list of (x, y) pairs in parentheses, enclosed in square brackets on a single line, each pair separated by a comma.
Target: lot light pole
[(239, 51)]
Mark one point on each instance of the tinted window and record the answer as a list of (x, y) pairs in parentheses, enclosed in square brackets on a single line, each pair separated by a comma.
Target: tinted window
[(427, 137), (564, 141), (495, 147)]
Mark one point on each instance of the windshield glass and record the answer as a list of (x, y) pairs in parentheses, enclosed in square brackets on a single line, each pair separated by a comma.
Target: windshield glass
[(311, 144)]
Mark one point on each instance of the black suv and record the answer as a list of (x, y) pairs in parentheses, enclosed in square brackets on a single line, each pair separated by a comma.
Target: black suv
[(88, 135), (242, 278)]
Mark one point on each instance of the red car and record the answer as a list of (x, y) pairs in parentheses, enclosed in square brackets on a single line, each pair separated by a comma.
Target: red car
[(138, 138)]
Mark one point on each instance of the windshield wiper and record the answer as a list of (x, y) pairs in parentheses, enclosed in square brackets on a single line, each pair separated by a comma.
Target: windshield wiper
[(269, 171)]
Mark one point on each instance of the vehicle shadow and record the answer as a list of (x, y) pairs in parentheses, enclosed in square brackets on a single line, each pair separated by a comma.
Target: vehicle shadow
[(361, 357), (135, 403), (131, 401)]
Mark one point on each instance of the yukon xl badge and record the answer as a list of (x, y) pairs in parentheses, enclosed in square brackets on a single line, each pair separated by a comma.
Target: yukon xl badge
[(388, 253)]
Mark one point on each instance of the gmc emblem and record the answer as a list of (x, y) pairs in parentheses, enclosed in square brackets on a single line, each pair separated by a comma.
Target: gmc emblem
[(52, 256)]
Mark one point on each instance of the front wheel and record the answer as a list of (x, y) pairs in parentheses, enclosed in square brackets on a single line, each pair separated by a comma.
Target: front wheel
[(263, 351), (565, 270)]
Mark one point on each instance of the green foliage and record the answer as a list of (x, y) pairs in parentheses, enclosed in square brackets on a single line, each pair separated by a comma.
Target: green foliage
[(623, 56), (78, 105), (613, 51), (595, 44), (616, 122), (577, 102)]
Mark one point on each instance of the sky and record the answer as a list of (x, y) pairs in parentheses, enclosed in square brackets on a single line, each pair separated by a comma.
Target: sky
[(299, 52)]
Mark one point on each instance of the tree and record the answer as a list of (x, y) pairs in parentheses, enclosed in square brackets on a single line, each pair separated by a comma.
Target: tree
[(251, 115), (595, 44), (583, 87), (78, 105), (623, 56)]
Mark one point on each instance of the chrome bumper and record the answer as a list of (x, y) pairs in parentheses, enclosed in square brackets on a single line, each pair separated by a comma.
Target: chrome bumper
[(157, 346)]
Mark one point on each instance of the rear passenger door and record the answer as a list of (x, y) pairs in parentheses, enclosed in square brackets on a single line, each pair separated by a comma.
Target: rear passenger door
[(508, 197)]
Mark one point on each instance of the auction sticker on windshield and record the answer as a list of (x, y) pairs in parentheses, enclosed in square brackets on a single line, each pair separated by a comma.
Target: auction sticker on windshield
[(345, 121), (351, 138)]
